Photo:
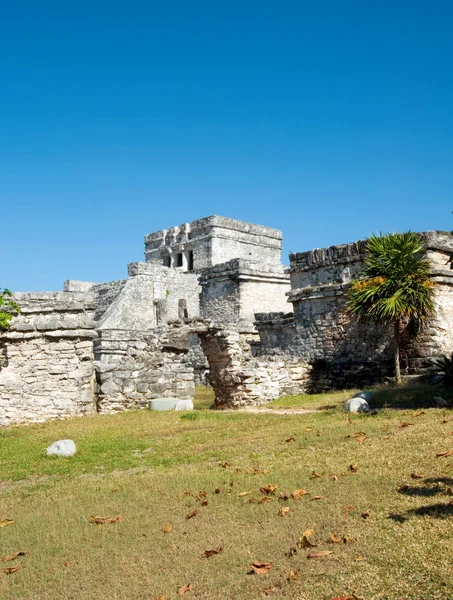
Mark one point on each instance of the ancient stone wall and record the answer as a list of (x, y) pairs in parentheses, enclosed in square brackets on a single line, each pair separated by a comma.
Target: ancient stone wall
[(46, 359), (213, 240), (239, 379), (234, 291), (135, 367)]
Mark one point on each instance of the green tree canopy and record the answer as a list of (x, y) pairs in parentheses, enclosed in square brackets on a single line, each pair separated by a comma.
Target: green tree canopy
[(395, 286)]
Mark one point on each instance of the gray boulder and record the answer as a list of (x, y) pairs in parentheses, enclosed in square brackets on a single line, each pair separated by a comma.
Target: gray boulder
[(62, 448), (356, 405)]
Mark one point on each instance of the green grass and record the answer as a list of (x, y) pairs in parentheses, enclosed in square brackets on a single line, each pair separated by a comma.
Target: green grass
[(149, 467)]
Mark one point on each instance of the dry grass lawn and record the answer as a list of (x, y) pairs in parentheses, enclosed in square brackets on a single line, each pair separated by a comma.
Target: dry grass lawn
[(154, 469)]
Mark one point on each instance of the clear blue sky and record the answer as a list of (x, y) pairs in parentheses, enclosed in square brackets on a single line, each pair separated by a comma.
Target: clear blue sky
[(329, 120)]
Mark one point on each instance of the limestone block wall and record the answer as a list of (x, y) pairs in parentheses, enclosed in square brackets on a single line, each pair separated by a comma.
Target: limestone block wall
[(239, 379), (234, 291), (134, 367), (46, 359), (214, 240), (151, 296)]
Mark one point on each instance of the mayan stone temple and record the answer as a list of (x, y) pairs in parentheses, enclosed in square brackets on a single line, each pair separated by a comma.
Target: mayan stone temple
[(212, 303)]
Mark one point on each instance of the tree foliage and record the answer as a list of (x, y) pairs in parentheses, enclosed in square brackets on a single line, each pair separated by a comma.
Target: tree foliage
[(395, 286), (7, 309)]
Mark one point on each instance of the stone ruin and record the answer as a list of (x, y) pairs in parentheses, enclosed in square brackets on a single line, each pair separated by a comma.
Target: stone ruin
[(212, 303)]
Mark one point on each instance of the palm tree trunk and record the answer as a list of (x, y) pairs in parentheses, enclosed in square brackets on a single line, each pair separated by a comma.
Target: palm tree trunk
[(396, 355)]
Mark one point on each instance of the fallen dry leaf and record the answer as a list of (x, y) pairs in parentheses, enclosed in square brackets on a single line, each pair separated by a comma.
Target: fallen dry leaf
[(65, 563), (348, 597), (419, 414), (102, 520), (292, 575), (264, 499), (283, 496), (334, 477), (402, 488), (225, 465), (406, 424), (242, 494), (192, 514), (204, 502), (261, 568), (185, 588), (320, 553), (217, 490), (269, 488), (308, 532), (297, 494), (13, 569), (291, 552), (334, 539), (270, 591), (416, 476), (365, 515), (6, 522), (445, 453), (307, 428), (284, 511), (168, 529), (291, 439), (314, 475), (257, 471), (186, 493), (208, 553), (14, 555), (304, 542), (353, 468)]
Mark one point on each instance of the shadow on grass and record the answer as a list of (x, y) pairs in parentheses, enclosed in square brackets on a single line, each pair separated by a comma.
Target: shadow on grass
[(428, 488), (411, 396)]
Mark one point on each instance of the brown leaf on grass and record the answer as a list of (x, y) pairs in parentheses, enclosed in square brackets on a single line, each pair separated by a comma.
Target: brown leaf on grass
[(254, 471), (192, 514), (204, 502), (320, 553), (201, 495), (269, 488), (420, 413), (314, 475), (186, 493), (291, 439), (402, 488), (183, 589), (317, 497), (349, 421), (283, 496), (14, 555), (291, 552), (297, 494), (264, 499), (13, 569), (304, 542), (359, 434), (208, 553), (406, 424), (334, 477), (270, 591), (217, 491), (101, 520), (6, 522), (353, 468), (225, 465), (65, 563), (167, 529), (445, 453), (162, 598), (319, 433), (284, 511), (292, 575), (307, 428), (335, 539), (261, 568), (242, 494), (416, 476), (365, 515), (348, 597)]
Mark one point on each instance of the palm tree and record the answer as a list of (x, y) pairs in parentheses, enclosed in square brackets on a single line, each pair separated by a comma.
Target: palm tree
[(395, 286)]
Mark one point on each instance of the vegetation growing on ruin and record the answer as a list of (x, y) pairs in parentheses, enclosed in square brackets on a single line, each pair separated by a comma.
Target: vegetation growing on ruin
[(7, 308), (395, 286)]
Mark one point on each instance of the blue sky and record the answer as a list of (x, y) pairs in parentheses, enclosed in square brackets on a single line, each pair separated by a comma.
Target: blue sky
[(329, 120)]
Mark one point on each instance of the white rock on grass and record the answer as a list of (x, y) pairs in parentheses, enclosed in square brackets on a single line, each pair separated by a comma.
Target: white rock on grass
[(61, 448), (356, 405), (184, 405)]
